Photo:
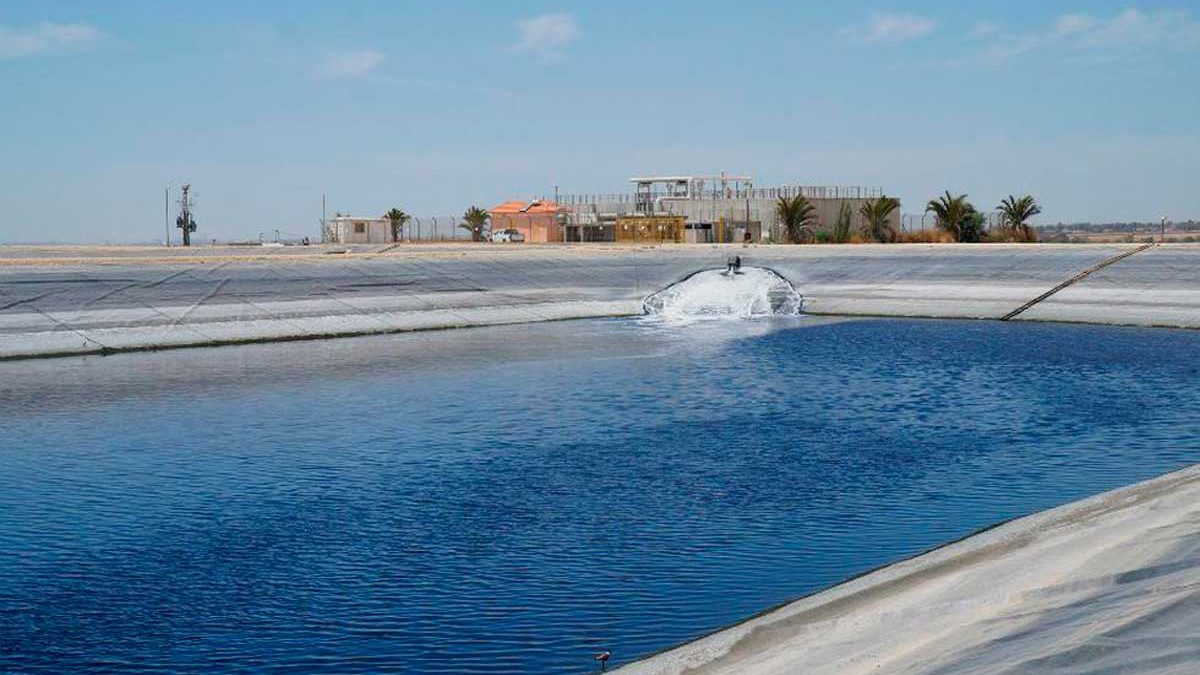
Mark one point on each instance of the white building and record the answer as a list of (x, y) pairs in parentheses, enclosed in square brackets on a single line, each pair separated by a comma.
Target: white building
[(359, 230)]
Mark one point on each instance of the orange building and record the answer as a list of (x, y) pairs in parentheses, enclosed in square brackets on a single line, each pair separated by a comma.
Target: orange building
[(540, 221)]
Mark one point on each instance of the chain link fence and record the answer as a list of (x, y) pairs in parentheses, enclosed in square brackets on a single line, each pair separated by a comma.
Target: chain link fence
[(435, 228), (448, 228), (916, 222)]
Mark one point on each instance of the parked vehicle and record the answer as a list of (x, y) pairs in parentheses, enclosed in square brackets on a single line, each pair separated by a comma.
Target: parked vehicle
[(509, 235)]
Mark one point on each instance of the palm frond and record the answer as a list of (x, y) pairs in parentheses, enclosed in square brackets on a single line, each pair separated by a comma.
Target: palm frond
[(475, 221), (875, 215), (1015, 214), (951, 212), (797, 215)]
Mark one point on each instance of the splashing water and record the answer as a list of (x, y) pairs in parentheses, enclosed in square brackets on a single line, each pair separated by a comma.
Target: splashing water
[(713, 294)]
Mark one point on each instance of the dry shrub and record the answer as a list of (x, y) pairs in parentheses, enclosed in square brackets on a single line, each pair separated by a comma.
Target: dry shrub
[(930, 236), (1009, 236)]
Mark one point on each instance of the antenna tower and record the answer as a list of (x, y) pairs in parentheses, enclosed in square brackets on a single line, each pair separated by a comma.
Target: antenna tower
[(185, 221)]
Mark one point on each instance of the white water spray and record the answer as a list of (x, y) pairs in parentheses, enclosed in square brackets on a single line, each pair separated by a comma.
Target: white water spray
[(755, 292)]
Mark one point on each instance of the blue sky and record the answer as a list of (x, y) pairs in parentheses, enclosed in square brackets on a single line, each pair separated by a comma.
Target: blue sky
[(1094, 107)]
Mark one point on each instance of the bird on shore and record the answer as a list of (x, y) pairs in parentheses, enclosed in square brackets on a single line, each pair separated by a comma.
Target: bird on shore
[(602, 658)]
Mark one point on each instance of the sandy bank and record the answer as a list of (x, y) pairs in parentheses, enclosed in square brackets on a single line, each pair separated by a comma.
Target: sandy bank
[(1105, 585)]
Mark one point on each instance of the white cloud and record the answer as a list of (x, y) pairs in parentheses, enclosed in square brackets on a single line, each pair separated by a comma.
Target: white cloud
[(45, 38), (1004, 50), (1128, 30), (1073, 24), (354, 63), (983, 28), (547, 33), (890, 28), (1170, 28)]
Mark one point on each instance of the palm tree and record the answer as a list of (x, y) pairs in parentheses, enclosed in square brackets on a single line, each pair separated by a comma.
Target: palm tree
[(474, 221), (399, 220), (951, 212), (1016, 213), (875, 216), (797, 216)]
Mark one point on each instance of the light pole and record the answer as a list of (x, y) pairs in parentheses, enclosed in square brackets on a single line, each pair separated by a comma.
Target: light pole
[(167, 213), (1162, 237)]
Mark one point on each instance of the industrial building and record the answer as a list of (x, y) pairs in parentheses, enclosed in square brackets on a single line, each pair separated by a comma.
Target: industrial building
[(700, 209), (718, 208), (538, 221)]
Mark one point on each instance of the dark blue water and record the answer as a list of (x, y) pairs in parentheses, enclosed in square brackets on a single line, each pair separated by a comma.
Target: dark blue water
[(510, 500)]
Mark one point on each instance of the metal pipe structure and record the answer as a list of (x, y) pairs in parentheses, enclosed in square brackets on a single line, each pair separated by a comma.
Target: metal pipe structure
[(167, 213)]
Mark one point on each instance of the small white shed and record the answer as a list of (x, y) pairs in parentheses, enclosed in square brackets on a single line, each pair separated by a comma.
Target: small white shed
[(360, 230)]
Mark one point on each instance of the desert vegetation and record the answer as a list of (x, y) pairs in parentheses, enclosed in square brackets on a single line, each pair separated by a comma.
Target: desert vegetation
[(398, 220), (955, 220), (1015, 214), (475, 220), (957, 217), (798, 217), (875, 215)]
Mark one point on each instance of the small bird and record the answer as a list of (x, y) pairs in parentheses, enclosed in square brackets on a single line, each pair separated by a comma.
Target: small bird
[(602, 658)]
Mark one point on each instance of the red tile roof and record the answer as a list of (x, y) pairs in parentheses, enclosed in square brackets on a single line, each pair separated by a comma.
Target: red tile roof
[(517, 206)]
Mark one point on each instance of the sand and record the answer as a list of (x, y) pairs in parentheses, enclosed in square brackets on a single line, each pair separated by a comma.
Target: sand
[(1110, 584)]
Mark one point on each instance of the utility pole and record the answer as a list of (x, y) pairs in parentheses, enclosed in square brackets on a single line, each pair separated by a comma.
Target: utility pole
[(747, 235), (324, 231), (167, 213), (1162, 237), (185, 221)]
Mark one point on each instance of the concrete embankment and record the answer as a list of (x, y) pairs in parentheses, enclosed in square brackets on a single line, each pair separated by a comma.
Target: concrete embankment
[(80, 300), (1104, 585)]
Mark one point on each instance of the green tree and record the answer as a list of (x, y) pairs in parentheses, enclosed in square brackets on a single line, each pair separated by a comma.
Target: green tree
[(797, 215), (399, 220), (475, 221), (1016, 213), (841, 228), (876, 214), (957, 216), (973, 226)]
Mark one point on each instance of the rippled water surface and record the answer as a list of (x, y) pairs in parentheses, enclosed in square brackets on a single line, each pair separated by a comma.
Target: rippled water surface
[(513, 499)]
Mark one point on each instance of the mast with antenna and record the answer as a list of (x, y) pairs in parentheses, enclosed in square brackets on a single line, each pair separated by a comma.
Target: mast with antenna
[(185, 221)]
